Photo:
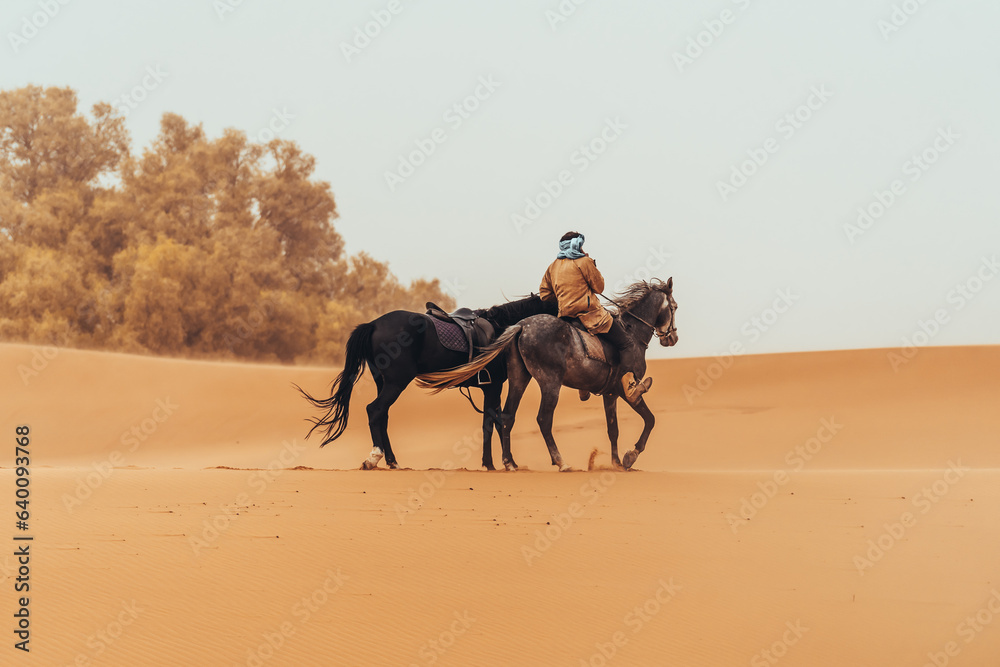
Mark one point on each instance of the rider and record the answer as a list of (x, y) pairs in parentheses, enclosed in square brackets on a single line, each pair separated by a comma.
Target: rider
[(573, 279)]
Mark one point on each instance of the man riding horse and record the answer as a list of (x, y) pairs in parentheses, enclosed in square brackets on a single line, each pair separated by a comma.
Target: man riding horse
[(574, 281)]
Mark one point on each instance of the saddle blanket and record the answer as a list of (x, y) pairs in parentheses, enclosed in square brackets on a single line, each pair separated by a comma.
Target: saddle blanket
[(451, 335), (592, 346)]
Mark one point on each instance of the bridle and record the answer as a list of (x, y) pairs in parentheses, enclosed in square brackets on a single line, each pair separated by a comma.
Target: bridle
[(661, 335)]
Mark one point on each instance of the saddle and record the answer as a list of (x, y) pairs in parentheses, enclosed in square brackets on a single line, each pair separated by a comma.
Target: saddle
[(478, 331), (594, 347)]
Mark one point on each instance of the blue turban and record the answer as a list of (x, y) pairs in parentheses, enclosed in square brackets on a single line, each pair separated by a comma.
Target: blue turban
[(571, 248)]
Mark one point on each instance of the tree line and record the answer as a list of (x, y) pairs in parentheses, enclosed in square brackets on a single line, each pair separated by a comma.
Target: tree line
[(198, 247)]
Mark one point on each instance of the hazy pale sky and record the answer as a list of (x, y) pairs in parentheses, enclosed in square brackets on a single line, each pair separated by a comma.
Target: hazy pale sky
[(729, 144)]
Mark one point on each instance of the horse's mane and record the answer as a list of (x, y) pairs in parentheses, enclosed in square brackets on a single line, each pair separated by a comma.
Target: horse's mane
[(635, 292), (506, 314)]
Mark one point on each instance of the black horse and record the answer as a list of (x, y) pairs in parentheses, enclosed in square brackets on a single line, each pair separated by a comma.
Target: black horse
[(399, 346), (548, 350)]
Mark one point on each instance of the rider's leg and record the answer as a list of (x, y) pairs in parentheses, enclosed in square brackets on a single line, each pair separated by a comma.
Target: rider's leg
[(632, 362), (584, 394)]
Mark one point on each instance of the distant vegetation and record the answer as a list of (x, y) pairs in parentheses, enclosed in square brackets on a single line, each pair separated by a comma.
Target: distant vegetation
[(197, 247)]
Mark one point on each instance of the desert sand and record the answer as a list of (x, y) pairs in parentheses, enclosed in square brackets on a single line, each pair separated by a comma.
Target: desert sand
[(799, 509)]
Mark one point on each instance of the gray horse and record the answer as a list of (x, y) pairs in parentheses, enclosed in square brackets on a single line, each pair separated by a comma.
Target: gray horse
[(551, 351)]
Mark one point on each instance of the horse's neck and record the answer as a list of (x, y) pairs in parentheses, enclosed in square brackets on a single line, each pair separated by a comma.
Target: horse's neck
[(647, 310), (503, 318)]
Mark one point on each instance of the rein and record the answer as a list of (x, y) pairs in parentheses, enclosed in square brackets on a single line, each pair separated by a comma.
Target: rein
[(656, 333)]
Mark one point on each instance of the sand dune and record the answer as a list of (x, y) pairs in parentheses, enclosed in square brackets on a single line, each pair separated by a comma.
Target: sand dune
[(803, 509), (88, 405)]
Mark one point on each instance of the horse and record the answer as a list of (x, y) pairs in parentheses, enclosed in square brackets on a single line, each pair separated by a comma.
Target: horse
[(396, 348), (547, 349)]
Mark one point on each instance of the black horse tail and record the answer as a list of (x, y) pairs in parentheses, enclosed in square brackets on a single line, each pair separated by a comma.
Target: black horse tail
[(338, 406), (454, 377)]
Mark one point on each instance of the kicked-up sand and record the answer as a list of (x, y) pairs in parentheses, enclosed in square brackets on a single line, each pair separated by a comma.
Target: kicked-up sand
[(798, 509)]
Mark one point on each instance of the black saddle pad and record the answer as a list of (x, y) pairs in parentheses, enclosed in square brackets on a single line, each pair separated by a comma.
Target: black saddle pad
[(451, 335)]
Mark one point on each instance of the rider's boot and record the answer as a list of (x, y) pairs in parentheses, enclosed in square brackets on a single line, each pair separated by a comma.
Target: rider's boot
[(633, 389)]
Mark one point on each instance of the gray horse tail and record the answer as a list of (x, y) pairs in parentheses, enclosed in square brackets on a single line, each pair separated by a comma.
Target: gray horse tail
[(454, 377)]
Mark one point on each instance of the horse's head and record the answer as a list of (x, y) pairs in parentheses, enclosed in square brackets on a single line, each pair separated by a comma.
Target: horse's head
[(651, 304), (666, 317)]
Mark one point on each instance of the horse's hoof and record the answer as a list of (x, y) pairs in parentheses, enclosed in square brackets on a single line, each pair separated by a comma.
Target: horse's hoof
[(565, 468), (489, 467), (367, 465), (630, 457), (510, 465), (616, 463), (393, 466)]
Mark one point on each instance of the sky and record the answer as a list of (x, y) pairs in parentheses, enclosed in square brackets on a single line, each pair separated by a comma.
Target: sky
[(812, 175)]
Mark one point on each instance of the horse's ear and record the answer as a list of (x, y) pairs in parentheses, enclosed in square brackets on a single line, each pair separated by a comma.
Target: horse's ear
[(670, 283)]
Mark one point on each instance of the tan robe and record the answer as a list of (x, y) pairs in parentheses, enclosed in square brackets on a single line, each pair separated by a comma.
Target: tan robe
[(575, 283)]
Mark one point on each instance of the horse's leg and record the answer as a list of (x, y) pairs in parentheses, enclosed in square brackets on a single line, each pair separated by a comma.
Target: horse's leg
[(550, 397), (611, 415), (518, 378), (491, 419), (376, 454), (378, 423), (647, 420)]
